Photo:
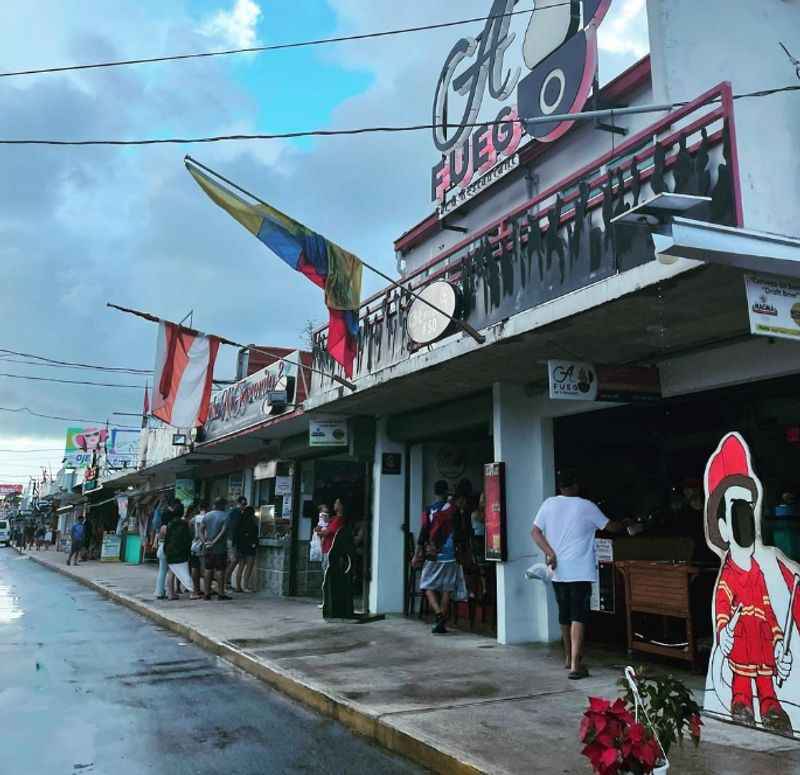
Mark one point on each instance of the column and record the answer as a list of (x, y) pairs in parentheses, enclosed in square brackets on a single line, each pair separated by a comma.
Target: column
[(523, 440), (386, 590)]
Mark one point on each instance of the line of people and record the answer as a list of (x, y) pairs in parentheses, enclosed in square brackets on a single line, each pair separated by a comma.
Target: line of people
[(199, 548)]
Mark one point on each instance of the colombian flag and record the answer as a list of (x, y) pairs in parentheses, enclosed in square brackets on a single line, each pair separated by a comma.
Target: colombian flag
[(325, 264)]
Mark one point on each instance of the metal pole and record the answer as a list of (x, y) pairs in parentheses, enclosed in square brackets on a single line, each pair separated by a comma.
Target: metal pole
[(464, 326), (222, 340)]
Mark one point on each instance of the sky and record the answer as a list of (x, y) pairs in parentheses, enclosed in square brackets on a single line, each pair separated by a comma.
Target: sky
[(80, 227)]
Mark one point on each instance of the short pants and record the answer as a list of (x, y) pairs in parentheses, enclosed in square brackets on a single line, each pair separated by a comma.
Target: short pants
[(573, 599), (216, 562), (195, 561)]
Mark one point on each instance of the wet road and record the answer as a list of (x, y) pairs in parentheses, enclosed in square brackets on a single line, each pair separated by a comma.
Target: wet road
[(90, 688)]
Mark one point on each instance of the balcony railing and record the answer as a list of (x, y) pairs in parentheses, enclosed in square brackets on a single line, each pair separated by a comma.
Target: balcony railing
[(563, 239)]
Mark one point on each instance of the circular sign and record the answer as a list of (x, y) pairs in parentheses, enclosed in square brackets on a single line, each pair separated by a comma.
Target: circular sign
[(425, 324)]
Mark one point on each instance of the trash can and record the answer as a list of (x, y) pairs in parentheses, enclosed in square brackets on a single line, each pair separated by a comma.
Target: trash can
[(133, 549)]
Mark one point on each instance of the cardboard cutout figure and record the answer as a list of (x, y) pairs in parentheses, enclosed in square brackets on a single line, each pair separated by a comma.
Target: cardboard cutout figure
[(756, 604)]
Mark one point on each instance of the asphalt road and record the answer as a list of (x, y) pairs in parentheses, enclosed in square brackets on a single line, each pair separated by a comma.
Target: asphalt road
[(90, 688)]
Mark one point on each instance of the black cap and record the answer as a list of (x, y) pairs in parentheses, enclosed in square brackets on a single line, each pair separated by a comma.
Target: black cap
[(441, 488), (567, 477)]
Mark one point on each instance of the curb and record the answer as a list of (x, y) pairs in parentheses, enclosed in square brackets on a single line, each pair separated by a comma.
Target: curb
[(364, 724)]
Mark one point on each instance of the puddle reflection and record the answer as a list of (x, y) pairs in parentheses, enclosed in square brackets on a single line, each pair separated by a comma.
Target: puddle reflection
[(9, 605)]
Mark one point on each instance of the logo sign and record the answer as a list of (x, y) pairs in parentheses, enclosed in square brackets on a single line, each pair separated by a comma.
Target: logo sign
[(250, 401), (560, 51), (494, 491), (327, 433), (425, 324), (774, 306), (575, 381), (10, 489)]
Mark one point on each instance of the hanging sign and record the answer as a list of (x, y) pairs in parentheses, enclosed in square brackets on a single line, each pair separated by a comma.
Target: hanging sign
[(184, 491), (773, 304), (580, 381), (494, 490), (10, 489), (559, 48), (327, 433), (283, 485), (424, 324)]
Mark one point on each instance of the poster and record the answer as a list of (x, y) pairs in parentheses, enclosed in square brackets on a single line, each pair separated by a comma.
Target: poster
[(286, 513), (110, 548), (184, 491), (602, 599), (81, 444), (123, 448), (773, 304), (494, 488), (283, 485), (122, 512)]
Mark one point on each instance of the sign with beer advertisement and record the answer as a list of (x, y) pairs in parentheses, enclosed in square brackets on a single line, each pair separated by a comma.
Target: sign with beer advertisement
[(327, 432), (494, 490), (773, 304)]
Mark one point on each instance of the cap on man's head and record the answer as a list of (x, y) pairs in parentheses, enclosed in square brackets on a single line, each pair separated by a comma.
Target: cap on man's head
[(441, 488), (567, 477), (241, 500)]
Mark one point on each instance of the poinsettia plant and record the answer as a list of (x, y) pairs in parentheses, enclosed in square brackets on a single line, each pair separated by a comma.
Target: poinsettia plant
[(614, 742), (670, 706)]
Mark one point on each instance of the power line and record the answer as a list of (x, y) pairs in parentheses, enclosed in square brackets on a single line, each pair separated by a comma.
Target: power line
[(27, 451), (69, 381), (75, 364), (26, 410), (356, 131), (276, 46)]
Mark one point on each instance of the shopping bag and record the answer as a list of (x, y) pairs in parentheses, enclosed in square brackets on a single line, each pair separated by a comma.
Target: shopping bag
[(315, 549)]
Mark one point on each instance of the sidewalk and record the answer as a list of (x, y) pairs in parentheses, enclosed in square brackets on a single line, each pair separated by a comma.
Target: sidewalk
[(456, 704)]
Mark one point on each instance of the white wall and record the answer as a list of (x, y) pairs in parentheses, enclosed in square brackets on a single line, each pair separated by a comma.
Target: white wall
[(386, 590), (523, 440), (697, 44)]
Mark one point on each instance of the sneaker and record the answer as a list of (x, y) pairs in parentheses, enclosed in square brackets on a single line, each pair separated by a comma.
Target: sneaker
[(438, 627)]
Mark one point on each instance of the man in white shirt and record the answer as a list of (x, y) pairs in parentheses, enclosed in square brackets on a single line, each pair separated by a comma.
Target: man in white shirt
[(564, 529)]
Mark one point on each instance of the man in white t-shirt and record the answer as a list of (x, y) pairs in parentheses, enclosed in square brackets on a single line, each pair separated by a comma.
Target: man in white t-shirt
[(564, 529)]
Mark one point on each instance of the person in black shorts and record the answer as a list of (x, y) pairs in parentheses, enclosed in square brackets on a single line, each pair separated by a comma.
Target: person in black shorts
[(216, 547), (246, 542), (564, 529)]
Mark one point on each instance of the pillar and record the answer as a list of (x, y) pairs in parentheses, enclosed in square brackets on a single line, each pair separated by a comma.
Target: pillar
[(523, 440), (386, 590)]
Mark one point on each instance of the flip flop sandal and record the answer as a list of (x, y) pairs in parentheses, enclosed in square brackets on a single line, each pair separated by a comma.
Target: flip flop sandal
[(576, 675)]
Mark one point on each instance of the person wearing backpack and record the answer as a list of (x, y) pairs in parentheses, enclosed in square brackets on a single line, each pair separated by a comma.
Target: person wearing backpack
[(77, 535)]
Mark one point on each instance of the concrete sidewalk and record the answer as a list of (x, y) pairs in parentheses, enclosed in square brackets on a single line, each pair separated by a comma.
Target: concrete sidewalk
[(456, 704)]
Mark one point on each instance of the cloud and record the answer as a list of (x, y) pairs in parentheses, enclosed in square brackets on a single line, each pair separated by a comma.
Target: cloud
[(624, 31), (236, 27)]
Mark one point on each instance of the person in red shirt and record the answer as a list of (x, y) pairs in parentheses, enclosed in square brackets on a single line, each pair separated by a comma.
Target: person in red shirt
[(327, 534)]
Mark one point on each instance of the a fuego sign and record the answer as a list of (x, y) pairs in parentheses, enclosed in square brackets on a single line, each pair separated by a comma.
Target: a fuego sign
[(560, 50)]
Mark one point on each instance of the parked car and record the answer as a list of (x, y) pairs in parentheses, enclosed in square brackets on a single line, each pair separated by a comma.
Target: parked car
[(5, 532)]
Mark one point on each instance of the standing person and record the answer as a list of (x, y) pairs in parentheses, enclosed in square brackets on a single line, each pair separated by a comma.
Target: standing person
[(329, 531), (564, 529), (76, 534), (195, 516), (234, 518), (163, 565), (177, 548), (436, 544), (214, 535), (246, 547)]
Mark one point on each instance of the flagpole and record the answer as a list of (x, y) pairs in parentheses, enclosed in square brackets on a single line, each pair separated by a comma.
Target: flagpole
[(223, 340), (462, 324)]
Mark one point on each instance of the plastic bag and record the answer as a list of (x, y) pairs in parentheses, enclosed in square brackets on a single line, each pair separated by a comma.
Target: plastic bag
[(540, 572), (315, 549)]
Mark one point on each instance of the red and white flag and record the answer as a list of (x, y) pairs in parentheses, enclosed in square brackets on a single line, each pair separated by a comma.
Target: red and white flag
[(183, 374)]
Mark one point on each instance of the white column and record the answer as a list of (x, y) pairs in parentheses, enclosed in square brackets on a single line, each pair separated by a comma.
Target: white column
[(388, 543), (523, 440)]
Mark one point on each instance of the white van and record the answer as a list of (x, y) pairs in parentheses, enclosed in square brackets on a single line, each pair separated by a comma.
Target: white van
[(5, 532)]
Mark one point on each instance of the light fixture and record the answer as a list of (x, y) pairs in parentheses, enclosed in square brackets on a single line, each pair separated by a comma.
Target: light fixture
[(180, 440), (659, 209)]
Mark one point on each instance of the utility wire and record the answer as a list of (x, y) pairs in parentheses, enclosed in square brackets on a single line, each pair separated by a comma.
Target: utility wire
[(277, 46), (69, 381), (26, 410), (26, 451), (345, 132), (75, 365)]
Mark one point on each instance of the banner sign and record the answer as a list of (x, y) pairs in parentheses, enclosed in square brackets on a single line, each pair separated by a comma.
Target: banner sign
[(327, 433), (10, 489), (251, 400), (81, 444), (559, 49), (774, 306), (494, 490), (579, 381), (123, 448)]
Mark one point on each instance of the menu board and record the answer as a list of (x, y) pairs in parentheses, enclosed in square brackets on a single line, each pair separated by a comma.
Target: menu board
[(494, 489), (110, 549)]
